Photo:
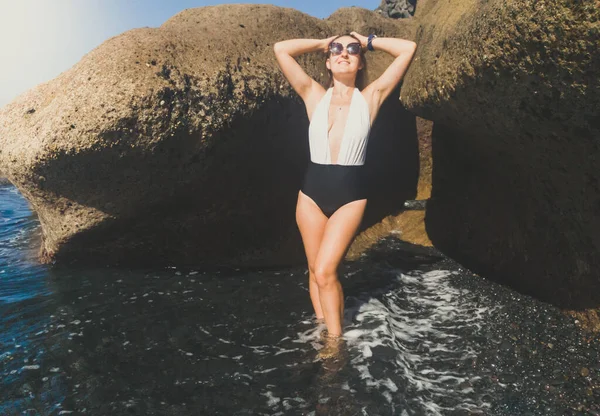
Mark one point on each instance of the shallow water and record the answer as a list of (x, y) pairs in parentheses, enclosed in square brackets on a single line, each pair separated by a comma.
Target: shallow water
[(422, 337)]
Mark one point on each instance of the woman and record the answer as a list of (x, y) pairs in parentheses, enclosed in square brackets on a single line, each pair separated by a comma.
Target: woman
[(332, 200)]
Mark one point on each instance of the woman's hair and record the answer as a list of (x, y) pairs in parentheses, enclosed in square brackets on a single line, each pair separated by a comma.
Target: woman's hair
[(361, 78)]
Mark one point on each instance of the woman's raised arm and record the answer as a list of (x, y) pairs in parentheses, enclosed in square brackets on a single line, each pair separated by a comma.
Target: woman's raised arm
[(285, 51), (403, 50)]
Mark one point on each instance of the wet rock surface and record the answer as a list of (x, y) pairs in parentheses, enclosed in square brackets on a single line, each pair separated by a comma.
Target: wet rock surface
[(538, 358)]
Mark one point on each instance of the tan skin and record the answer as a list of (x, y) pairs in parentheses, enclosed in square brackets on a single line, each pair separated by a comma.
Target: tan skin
[(326, 240)]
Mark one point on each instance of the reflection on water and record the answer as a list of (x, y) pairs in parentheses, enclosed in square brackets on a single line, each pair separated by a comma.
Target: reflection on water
[(423, 337)]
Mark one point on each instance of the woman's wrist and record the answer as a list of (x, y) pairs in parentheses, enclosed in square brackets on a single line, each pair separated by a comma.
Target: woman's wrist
[(370, 42)]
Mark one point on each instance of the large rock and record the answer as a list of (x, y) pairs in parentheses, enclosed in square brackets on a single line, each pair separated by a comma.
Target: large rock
[(397, 9), (185, 144), (514, 92)]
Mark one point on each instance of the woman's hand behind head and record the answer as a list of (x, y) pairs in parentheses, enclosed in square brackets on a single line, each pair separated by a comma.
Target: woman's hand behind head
[(328, 41), (363, 39)]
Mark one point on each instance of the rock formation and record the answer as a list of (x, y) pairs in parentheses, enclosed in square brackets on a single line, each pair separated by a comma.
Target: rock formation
[(514, 92), (397, 9), (184, 143)]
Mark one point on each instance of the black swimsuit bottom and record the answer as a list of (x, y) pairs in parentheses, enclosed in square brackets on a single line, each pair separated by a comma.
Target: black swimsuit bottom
[(333, 186)]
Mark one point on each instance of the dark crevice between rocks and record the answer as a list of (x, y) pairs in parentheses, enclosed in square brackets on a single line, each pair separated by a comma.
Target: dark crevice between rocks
[(392, 161)]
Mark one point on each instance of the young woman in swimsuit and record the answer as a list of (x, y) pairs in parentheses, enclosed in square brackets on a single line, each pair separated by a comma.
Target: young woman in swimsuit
[(332, 200)]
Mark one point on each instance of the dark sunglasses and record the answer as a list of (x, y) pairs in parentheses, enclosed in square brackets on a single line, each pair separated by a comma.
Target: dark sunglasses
[(336, 48)]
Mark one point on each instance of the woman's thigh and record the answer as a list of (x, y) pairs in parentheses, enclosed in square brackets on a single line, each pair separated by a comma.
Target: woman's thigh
[(338, 235), (311, 223)]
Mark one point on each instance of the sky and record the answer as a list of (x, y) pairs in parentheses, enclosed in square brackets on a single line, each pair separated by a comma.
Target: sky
[(39, 39)]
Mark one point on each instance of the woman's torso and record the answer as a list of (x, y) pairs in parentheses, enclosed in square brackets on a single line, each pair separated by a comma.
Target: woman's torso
[(343, 140)]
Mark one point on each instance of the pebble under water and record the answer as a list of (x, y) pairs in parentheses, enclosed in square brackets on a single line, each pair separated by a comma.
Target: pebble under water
[(423, 336)]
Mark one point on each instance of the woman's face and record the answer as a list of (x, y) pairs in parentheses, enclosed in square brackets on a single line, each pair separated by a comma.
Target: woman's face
[(344, 63)]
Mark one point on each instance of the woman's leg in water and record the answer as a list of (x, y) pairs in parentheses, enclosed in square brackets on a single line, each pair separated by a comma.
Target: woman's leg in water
[(337, 237), (311, 223)]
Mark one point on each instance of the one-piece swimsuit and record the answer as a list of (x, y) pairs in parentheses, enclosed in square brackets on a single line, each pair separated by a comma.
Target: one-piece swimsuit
[(332, 186)]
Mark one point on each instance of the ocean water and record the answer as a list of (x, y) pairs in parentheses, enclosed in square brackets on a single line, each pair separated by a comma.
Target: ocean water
[(423, 336)]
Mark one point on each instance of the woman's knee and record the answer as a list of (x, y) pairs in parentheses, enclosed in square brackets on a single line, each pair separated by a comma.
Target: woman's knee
[(325, 276)]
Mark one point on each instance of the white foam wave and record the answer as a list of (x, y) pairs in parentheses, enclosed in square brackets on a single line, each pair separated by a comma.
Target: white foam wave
[(420, 325)]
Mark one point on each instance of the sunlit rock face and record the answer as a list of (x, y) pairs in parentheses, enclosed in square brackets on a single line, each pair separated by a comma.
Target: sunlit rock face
[(185, 144), (514, 92)]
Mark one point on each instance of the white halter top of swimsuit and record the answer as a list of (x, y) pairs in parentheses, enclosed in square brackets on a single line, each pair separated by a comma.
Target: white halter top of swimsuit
[(353, 147)]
